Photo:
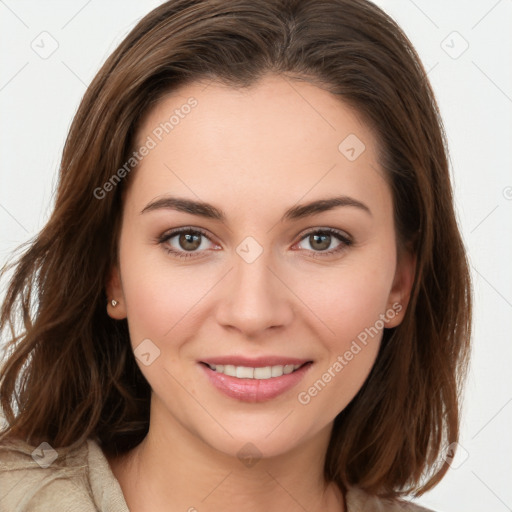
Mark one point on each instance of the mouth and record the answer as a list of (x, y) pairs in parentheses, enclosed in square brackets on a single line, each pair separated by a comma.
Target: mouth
[(256, 382)]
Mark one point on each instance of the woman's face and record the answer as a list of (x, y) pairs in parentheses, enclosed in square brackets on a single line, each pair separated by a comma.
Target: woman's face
[(257, 236)]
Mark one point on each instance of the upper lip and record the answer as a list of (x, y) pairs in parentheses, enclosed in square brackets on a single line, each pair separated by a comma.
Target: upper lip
[(254, 362)]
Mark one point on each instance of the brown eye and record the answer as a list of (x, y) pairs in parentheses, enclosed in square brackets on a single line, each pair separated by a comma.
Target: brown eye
[(321, 241), (189, 241), (186, 243)]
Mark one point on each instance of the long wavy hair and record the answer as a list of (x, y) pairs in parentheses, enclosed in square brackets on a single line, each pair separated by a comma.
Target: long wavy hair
[(69, 372)]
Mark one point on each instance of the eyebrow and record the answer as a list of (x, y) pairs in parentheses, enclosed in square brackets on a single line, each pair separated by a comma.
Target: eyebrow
[(209, 211)]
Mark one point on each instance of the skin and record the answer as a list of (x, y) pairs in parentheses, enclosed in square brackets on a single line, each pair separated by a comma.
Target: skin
[(252, 153)]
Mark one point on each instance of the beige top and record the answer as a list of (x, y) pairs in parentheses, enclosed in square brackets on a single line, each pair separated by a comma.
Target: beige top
[(36, 481)]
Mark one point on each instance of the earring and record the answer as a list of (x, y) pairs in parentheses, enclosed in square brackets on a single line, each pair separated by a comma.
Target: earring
[(114, 303)]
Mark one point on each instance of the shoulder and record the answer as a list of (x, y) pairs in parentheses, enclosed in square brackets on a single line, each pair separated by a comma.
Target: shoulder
[(359, 501), (64, 479)]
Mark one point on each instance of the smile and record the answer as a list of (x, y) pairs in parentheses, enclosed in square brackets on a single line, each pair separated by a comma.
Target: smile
[(259, 373)]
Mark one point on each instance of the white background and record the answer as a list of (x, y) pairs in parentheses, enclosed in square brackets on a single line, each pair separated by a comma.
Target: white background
[(38, 98)]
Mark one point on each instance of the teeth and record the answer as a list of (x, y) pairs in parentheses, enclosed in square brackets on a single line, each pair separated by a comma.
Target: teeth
[(246, 372)]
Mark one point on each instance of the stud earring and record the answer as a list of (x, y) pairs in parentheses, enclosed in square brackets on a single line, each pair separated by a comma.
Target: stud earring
[(114, 303)]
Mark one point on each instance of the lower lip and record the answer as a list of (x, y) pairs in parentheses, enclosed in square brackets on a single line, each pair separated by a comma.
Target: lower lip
[(255, 390)]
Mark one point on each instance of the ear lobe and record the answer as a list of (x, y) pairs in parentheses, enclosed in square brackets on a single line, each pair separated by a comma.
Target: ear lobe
[(114, 291), (402, 285)]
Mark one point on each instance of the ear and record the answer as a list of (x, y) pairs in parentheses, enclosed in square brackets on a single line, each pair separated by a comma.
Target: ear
[(400, 293), (114, 290)]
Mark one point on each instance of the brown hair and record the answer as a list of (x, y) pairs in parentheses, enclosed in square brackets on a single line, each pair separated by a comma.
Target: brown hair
[(71, 374)]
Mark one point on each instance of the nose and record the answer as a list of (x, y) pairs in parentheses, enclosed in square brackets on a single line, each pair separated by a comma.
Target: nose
[(255, 298)]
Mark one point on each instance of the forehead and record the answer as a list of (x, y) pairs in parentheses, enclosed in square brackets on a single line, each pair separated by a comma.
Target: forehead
[(279, 139)]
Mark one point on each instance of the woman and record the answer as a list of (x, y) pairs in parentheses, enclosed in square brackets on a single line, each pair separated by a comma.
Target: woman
[(252, 292)]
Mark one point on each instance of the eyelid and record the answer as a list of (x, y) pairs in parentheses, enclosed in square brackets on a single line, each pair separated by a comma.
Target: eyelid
[(332, 231), (184, 229)]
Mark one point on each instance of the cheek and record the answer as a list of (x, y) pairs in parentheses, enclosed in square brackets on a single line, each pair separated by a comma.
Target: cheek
[(352, 305), (355, 318), (351, 298), (157, 300)]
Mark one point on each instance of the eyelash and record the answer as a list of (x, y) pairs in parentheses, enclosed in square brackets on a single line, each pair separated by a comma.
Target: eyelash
[(342, 237)]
